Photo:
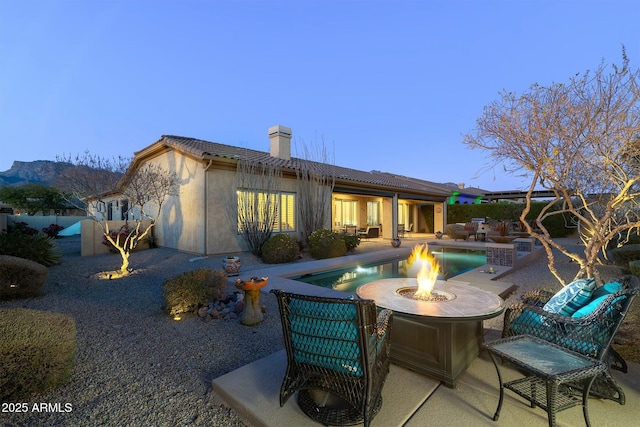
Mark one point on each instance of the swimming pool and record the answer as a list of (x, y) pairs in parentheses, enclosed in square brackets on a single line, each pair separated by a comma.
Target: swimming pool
[(453, 261)]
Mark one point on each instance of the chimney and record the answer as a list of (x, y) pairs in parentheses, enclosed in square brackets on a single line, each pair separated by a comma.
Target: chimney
[(280, 142)]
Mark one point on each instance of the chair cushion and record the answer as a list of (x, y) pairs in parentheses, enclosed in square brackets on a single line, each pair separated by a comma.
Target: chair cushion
[(606, 289), (528, 322), (594, 304), (571, 298), (326, 335)]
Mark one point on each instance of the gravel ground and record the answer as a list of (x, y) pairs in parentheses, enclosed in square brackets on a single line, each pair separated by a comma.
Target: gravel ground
[(136, 366)]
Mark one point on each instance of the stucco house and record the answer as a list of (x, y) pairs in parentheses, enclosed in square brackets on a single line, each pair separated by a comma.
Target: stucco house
[(202, 217)]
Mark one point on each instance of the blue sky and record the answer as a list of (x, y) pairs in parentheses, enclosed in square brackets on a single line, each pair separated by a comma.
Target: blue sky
[(387, 85)]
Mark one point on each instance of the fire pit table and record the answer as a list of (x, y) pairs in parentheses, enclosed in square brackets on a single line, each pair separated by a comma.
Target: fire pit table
[(437, 338)]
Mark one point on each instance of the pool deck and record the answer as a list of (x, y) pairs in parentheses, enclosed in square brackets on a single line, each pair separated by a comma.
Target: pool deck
[(410, 399)]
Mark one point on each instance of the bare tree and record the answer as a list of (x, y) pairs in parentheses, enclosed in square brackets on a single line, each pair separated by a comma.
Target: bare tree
[(258, 186), (315, 183), (94, 180), (579, 141)]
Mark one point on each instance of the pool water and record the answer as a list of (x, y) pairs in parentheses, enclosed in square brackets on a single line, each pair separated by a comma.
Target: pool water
[(453, 261)]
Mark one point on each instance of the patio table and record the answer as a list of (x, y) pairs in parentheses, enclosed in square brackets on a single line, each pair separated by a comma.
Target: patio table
[(548, 370)]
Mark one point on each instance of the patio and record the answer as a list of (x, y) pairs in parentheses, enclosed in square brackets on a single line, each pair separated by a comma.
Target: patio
[(409, 398)]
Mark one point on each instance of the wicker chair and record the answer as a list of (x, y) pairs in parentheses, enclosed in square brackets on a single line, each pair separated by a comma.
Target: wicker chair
[(590, 335), (337, 356)]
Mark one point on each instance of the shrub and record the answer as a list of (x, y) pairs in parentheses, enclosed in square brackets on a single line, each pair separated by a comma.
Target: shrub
[(37, 352), (626, 253), (21, 278), (52, 230), (280, 248), (351, 241), (193, 289), (39, 247), (326, 244), (22, 227), (634, 266)]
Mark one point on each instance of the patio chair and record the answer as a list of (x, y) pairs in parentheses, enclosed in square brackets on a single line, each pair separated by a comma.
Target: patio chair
[(409, 230), (469, 229), (401, 231), (368, 232), (351, 230), (586, 327), (337, 356)]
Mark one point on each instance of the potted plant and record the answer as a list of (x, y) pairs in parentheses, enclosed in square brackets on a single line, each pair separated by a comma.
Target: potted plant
[(231, 265)]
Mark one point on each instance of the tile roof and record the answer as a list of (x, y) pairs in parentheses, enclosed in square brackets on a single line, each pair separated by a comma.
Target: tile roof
[(382, 180)]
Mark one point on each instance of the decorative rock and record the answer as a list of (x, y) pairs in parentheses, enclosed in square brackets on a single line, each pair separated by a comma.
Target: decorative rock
[(229, 308), (239, 306), (203, 311)]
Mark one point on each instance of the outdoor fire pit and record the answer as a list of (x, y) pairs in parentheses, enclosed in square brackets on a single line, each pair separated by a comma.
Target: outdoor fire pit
[(439, 331)]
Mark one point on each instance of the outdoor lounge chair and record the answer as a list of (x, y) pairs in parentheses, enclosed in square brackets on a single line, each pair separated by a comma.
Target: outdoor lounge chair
[(578, 323), (470, 229), (369, 232), (337, 356)]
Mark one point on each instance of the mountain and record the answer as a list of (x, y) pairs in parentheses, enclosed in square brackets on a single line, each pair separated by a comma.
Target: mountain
[(37, 172)]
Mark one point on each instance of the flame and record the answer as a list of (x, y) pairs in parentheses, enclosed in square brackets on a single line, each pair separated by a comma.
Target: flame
[(429, 269)]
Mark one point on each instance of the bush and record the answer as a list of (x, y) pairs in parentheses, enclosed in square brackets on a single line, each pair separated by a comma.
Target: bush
[(22, 227), (626, 253), (52, 230), (39, 247), (280, 248), (21, 278), (351, 241), (193, 289), (326, 244), (37, 352)]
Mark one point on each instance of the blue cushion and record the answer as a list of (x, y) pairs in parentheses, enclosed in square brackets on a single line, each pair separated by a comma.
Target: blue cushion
[(527, 323), (325, 335), (606, 289), (571, 298), (590, 307), (593, 305)]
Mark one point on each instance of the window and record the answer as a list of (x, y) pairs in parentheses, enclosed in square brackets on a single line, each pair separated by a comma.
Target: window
[(287, 212), (346, 212), (254, 206), (404, 214), (373, 213)]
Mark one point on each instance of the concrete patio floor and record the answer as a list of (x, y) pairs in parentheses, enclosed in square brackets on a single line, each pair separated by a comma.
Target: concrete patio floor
[(409, 398), (414, 400)]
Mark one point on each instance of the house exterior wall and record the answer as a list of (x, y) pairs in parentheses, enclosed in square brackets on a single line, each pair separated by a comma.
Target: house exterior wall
[(221, 216), (222, 212), (181, 223)]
